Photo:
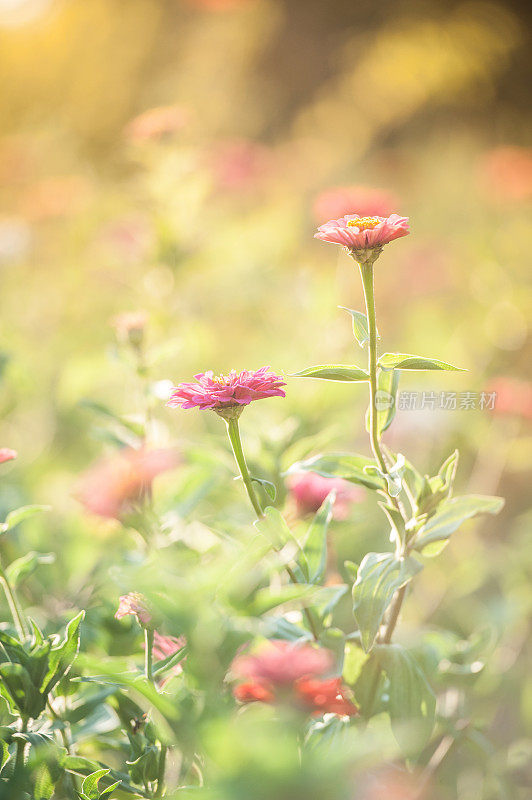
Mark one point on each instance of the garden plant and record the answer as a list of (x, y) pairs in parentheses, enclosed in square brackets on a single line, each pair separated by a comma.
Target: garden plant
[(244, 660)]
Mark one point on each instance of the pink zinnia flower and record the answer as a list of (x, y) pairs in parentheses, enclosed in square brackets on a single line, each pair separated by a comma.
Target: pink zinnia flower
[(135, 604), (6, 454), (309, 490), (231, 391), (157, 123), (363, 233), (334, 203), (111, 487)]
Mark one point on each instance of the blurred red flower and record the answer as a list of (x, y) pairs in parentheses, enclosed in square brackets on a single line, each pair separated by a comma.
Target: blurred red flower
[(217, 5), (309, 490), (111, 487), (6, 454), (239, 165), (514, 396), (340, 200), (507, 172), (282, 672)]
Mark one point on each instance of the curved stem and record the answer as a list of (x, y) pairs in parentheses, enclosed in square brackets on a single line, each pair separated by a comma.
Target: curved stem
[(161, 771), (13, 604), (236, 443), (148, 655)]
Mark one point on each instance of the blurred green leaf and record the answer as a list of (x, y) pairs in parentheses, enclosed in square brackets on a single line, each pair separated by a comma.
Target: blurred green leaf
[(268, 486), (26, 565), (20, 514), (379, 576), (333, 372), (315, 545), (411, 701), (385, 400)]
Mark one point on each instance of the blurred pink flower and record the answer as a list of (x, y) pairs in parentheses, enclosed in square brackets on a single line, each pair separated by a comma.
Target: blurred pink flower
[(309, 490), (157, 123), (227, 391), (507, 172), (281, 663), (334, 203), (6, 454), (514, 396), (239, 165), (135, 604), (164, 646), (363, 233), (325, 696), (112, 486), (58, 196), (130, 326), (130, 238)]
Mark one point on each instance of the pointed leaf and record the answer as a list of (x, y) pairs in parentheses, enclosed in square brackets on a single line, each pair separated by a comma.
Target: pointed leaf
[(360, 325), (341, 465), (89, 786), (450, 515), (268, 487), (379, 576), (407, 361), (62, 656), (315, 547), (333, 372)]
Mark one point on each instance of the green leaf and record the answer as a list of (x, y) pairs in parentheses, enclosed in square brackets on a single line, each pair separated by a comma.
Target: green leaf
[(411, 703), (385, 399), (393, 478), (20, 514), (360, 325), (26, 565), (333, 372), (89, 786), (268, 487), (407, 361), (267, 599), (44, 784), (379, 576), (62, 655), (17, 688), (273, 526), (315, 546), (450, 515), (341, 465)]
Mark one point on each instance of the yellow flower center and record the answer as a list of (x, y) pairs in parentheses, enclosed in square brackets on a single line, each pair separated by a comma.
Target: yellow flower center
[(364, 223), (222, 380)]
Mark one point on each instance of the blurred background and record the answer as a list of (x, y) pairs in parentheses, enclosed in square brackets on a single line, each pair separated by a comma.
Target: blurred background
[(174, 157)]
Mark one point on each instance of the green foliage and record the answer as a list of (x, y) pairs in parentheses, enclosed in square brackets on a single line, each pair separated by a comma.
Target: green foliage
[(334, 372), (379, 576), (406, 361)]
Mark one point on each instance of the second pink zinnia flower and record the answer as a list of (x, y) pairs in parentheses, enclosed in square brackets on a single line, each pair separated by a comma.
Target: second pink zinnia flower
[(363, 233), (227, 391)]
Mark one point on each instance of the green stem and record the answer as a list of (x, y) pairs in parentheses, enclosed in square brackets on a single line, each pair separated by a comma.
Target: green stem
[(236, 443), (148, 655), (21, 748), (13, 604), (366, 272), (160, 772)]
